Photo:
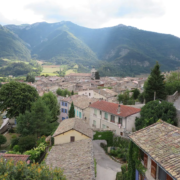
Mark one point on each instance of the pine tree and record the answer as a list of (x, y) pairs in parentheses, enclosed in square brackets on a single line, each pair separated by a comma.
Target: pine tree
[(71, 111), (72, 93), (155, 84)]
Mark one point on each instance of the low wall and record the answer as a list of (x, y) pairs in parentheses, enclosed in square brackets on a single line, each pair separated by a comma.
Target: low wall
[(178, 116), (172, 98)]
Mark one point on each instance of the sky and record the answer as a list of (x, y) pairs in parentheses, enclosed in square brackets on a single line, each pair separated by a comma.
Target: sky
[(153, 15)]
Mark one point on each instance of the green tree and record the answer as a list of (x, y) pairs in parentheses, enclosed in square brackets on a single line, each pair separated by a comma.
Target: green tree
[(51, 101), (59, 92), (2, 139), (97, 76), (16, 98), (37, 121), (131, 163), (155, 84), (21, 170), (136, 93), (72, 93), (30, 78), (71, 111), (153, 111)]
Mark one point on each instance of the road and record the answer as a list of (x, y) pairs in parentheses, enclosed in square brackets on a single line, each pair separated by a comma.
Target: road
[(177, 103), (106, 167)]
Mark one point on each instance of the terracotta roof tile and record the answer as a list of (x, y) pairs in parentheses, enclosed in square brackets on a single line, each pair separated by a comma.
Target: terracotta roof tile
[(162, 142), (76, 124), (15, 157), (76, 159), (112, 108)]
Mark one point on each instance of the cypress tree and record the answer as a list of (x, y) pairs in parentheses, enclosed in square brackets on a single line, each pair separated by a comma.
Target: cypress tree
[(72, 93), (155, 83), (71, 111)]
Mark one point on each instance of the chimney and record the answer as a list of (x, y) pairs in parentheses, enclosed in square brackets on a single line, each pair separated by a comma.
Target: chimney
[(118, 110)]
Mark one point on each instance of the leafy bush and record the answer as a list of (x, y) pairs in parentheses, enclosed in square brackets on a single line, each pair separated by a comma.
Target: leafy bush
[(105, 135), (14, 141), (11, 130), (52, 141), (119, 176), (2, 139), (40, 140), (26, 143), (24, 171), (16, 148), (36, 152)]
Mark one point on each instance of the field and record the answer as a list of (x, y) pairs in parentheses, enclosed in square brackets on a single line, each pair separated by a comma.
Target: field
[(50, 69)]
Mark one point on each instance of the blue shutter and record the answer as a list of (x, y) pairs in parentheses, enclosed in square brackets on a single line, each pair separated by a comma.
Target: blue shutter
[(61, 109), (137, 175)]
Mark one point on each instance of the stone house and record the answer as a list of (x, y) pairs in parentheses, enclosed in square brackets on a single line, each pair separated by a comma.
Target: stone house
[(73, 150), (159, 146), (114, 116)]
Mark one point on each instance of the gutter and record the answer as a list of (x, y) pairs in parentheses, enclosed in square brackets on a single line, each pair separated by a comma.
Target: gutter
[(153, 160)]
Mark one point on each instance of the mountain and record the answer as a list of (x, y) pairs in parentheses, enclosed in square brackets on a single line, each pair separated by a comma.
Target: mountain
[(12, 47), (119, 50)]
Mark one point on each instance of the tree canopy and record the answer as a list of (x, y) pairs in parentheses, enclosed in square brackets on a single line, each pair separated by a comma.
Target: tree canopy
[(155, 83), (155, 110), (97, 76), (37, 122), (51, 102), (30, 78), (16, 98), (2, 139)]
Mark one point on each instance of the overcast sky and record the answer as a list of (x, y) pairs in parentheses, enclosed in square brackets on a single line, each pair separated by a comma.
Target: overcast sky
[(153, 15)]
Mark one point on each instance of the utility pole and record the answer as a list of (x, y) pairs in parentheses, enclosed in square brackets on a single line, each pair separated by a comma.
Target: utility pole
[(154, 95)]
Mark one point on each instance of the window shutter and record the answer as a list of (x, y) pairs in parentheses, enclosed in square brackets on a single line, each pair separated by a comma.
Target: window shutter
[(153, 169), (169, 178), (145, 160)]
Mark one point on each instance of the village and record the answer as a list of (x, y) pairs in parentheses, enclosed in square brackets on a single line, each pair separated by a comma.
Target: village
[(84, 143)]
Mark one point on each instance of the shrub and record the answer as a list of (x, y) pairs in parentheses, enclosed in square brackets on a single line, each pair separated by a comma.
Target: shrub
[(52, 141), (3, 139), (119, 176), (23, 171), (26, 143), (105, 135), (40, 140), (14, 141), (16, 148), (11, 130)]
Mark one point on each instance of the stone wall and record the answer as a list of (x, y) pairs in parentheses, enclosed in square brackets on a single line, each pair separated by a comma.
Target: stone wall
[(178, 116), (172, 98)]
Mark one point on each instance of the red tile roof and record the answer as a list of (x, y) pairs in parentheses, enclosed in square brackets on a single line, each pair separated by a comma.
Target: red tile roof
[(15, 157), (110, 107)]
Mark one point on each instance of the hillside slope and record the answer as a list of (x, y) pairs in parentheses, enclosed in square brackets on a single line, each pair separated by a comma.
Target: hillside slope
[(12, 47), (121, 50)]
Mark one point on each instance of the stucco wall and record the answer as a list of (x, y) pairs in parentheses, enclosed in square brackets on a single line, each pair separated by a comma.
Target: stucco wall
[(89, 93), (65, 138), (131, 121)]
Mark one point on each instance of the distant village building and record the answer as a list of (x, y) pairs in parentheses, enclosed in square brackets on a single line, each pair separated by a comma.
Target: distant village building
[(116, 117)]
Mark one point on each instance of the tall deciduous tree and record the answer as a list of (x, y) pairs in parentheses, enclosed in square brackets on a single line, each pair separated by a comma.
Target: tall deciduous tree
[(155, 85), (16, 98), (37, 122), (30, 78), (153, 111), (71, 111), (51, 101)]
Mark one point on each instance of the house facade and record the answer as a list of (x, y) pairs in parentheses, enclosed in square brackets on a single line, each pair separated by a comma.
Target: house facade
[(159, 146), (110, 115)]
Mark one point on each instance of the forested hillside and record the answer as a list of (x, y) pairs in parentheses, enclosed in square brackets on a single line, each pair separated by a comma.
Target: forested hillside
[(12, 47), (119, 50)]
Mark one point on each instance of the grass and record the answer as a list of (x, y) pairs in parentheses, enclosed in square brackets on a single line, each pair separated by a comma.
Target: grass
[(70, 71), (50, 69)]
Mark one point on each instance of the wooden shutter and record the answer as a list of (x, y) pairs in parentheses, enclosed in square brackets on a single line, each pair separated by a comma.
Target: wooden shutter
[(169, 178), (153, 169), (72, 138), (145, 160)]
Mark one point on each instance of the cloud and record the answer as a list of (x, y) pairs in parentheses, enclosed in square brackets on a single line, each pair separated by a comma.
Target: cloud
[(92, 13)]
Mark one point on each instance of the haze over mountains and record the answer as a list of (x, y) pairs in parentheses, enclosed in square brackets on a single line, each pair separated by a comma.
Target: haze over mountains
[(119, 50)]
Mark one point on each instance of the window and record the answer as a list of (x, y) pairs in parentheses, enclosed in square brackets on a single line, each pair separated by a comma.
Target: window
[(62, 103), (105, 115), (77, 113), (63, 118), (72, 139), (80, 114), (95, 112), (153, 169), (94, 123), (120, 120), (62, 109), (65, 110), (112, 118), (65, 104), (89, 94), (145, 160), (121, 133), (104, 126)]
